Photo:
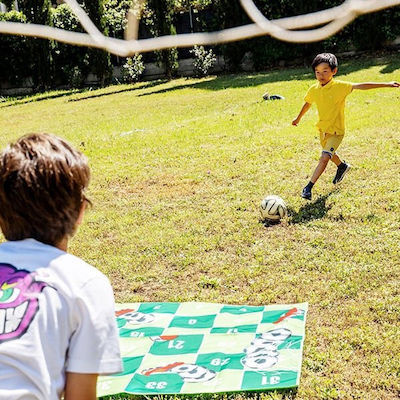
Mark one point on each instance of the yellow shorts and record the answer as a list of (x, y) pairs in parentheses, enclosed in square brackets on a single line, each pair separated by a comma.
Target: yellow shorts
[(330, 143)]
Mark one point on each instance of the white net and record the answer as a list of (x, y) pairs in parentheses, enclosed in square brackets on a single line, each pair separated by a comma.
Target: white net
[(292, 29)]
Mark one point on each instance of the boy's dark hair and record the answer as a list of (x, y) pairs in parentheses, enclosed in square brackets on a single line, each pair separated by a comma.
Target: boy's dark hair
[(327, 58), (42, 184)]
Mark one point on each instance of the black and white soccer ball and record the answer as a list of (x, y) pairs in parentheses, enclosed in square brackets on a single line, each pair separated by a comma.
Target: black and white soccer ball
[(273, 208)]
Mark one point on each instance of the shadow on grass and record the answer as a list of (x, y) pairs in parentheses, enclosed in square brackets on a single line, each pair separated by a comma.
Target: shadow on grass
[(144, 86), (310, 211), (389, 62), (269, 224), (391, 67), (234, 81), (32, 98), (35, 98)]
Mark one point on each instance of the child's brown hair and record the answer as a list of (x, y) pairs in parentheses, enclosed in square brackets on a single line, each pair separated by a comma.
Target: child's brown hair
[(327, 58), (42, 185)]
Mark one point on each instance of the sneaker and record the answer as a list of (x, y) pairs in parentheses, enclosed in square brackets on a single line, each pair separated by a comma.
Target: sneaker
[(340, 173), (306, 193)]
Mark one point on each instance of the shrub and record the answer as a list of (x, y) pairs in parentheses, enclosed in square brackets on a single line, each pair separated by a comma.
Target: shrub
[(204, 60), (133, 69)]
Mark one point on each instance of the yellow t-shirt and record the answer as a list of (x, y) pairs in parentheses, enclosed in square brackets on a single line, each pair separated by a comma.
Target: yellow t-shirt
[(330, 101)]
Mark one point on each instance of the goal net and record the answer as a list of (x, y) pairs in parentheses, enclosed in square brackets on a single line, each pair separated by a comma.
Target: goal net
[(298, 29)]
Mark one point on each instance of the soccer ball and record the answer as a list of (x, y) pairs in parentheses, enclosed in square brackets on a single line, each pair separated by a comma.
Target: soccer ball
[(273, 208)]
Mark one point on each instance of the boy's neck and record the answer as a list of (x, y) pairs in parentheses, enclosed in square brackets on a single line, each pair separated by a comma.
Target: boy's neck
[(63, 244), (330, 80)]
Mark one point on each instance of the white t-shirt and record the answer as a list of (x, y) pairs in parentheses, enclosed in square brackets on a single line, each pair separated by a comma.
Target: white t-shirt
[(56, 316)]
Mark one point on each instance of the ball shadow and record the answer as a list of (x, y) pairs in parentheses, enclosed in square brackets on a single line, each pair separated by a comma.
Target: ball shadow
[(268, 223)]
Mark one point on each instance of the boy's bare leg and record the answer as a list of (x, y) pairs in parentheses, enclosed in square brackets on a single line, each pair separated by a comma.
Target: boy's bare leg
[(336, 159), (323, 162)]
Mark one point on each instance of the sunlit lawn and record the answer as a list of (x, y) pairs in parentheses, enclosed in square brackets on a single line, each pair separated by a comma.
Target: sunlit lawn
[(179, 169)]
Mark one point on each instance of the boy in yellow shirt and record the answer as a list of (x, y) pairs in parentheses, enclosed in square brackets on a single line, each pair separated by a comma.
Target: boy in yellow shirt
[(330, 96)]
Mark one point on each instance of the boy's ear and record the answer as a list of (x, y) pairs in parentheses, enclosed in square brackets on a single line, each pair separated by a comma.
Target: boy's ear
[(334, 71), (81, 213)]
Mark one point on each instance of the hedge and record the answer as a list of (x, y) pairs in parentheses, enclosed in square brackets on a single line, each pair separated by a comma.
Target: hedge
[(59, 64)]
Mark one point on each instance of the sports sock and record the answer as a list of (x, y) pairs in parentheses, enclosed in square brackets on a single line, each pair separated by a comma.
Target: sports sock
[(310, 185)]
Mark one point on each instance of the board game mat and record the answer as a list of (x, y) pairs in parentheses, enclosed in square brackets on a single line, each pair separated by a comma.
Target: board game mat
[(193, 347)]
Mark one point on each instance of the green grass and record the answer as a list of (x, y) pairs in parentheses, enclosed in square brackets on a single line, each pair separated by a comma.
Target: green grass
[(179, 170)]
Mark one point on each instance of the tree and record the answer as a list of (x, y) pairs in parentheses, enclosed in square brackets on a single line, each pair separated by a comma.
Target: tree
[(12, 65), (159, 17), (183, 5), (230, 14), (38, 57), (99, 60), (115, 16), (71, 63)]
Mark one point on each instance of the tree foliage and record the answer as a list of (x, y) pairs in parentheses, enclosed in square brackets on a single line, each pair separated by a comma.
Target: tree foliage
[(369, 31), (99, 59), (11, 48), (115, 12), (50, 63), (184, 5), (71, 63), (160, 18), (39, 55)]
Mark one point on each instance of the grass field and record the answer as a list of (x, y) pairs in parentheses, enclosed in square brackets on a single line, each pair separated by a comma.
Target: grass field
[(179, 170)]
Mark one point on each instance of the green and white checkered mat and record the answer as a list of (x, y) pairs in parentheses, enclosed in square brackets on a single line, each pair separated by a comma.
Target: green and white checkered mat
[(207, 348)]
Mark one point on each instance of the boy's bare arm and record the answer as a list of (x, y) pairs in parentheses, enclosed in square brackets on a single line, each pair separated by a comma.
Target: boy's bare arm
[(80, 386), (374, 85), (304, 109)]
